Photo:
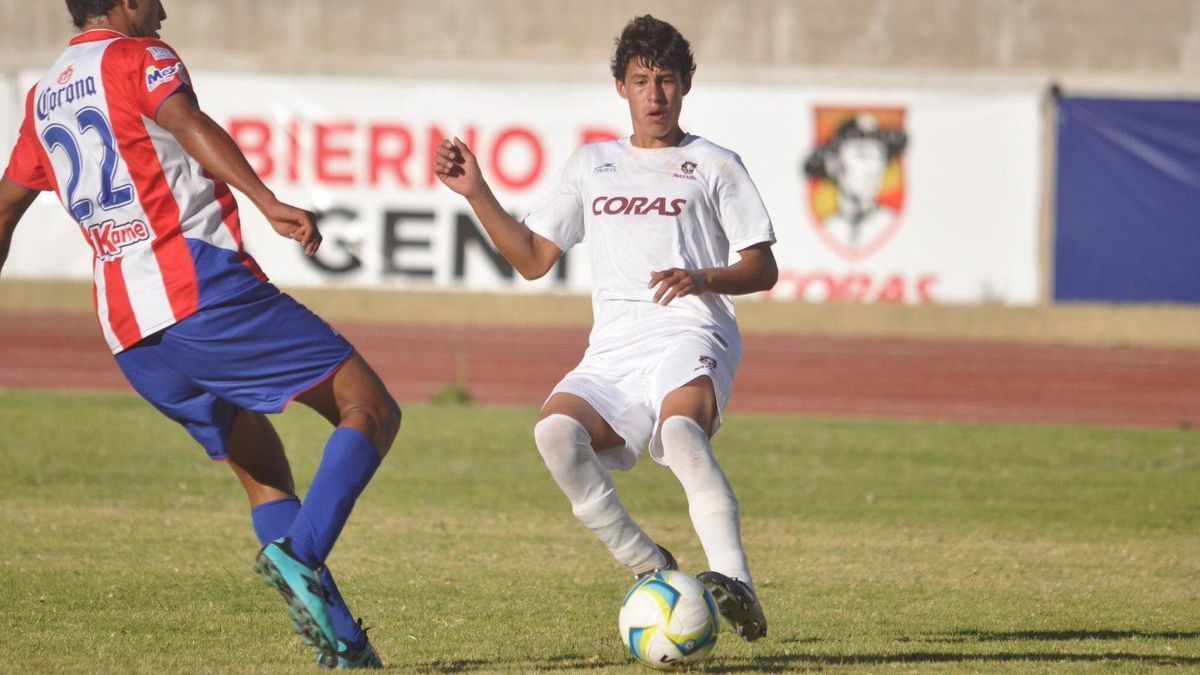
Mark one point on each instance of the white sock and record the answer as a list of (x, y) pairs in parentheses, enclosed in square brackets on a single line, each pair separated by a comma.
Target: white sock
[(711, 503), (567, 450)]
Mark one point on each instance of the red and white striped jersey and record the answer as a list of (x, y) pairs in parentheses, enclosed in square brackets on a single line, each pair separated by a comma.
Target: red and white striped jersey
[(165, 234)]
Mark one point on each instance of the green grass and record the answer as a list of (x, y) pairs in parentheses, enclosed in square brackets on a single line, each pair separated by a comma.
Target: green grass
[(877, 547)]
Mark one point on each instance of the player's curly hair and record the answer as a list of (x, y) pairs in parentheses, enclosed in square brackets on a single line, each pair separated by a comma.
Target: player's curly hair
[(655, 43), (82, 10)]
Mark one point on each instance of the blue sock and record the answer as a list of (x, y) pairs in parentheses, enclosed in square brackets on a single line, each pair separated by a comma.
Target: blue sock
[(346, 467), (271, 521)]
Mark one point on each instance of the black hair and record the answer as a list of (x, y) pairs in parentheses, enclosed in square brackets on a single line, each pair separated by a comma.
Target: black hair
[(82, 10), (653, 43), (859, 126)]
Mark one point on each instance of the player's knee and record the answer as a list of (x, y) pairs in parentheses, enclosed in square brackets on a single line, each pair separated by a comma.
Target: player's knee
[(388, 417), (559, 439), (378, 419), (682, 432), (685, 444)]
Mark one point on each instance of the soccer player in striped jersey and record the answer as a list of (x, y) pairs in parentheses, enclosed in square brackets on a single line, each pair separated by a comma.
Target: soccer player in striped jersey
[(661, 210), (114, 128)]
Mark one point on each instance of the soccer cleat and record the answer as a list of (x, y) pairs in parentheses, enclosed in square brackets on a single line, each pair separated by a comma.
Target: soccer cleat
[(737, 603), (349, 659), (669, 565), (301, 587)]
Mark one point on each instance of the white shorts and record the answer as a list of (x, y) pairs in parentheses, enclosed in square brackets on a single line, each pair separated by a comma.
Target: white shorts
[(632, 363)]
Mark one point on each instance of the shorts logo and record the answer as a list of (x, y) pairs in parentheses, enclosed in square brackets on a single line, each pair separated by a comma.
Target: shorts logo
[(161, 53), (607, 167), (110, 240), (637, 206), (66, 75), (156, 76), (856, 178), (706, 363), (688, 169)]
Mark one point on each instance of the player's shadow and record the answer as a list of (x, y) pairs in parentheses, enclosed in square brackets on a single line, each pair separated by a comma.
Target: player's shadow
[(1059, 635), (791, 662), (787, 663), (551, 663), (784, 663), (454, 666)]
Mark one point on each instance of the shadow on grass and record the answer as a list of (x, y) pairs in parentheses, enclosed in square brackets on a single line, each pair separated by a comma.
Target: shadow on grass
[(791, 662), (571, 662), (779, 664), (1060, 635)]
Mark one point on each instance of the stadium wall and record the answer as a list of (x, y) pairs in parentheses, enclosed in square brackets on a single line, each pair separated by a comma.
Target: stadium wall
[(380, 37)]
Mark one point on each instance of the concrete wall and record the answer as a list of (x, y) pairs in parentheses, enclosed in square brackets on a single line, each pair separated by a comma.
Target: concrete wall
[(1130, 39)]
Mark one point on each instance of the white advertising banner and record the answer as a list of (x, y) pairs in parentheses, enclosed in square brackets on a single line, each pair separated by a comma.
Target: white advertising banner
[(913, 196)]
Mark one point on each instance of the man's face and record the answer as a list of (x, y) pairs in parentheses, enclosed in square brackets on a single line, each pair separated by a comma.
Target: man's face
[(145, 17), (655, 100), (859, 166)]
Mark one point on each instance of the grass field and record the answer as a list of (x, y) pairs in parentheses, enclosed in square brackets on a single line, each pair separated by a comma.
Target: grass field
[(878, 547)]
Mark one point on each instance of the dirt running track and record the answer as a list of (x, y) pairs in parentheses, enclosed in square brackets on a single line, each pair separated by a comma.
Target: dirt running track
[(822, 377)]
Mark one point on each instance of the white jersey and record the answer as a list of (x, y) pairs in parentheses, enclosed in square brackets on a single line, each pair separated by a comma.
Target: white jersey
[(644, 210)]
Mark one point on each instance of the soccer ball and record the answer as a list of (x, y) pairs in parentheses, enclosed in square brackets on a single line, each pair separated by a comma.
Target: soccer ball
[(669, 620)]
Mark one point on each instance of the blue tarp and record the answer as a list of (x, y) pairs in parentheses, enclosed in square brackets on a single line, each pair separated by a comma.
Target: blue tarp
[(1128, 201)]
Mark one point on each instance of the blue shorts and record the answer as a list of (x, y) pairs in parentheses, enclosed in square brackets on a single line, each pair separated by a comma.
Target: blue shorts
[(255, 351)]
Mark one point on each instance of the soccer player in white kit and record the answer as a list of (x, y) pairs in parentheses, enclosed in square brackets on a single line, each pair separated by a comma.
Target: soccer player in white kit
[(661, 210)]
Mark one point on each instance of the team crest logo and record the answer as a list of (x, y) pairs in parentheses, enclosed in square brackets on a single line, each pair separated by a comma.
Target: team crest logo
[(706, 363), (66, 75), (856, 178), (688, 169)]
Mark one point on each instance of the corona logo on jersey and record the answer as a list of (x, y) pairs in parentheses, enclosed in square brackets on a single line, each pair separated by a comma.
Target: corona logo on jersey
[(856, 178), (156, 76), (51, 99), (637, 206), (110, 240), (66, 75)]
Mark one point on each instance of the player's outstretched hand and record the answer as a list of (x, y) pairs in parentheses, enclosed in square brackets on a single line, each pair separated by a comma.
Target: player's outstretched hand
[(294, 223), (456, 167), (676, 283)]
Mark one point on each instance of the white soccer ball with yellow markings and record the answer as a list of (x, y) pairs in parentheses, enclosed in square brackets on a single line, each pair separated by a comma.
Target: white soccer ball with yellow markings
[(669, 620)]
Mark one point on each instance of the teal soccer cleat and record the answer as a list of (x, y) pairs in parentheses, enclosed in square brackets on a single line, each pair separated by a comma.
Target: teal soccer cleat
[(348, 659), (301, 588)]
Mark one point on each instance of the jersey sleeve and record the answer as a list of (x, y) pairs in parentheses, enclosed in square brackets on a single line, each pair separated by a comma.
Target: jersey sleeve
[(558, 216), (25, 166), (160, 73), (740, 208)]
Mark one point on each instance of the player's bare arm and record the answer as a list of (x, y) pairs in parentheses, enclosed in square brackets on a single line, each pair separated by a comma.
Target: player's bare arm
[(14, 200), (531, 254), (210, 145), (756, 271)]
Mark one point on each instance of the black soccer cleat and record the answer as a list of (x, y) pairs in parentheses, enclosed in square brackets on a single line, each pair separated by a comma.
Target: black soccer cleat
[(737, 603), (671, 564)]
